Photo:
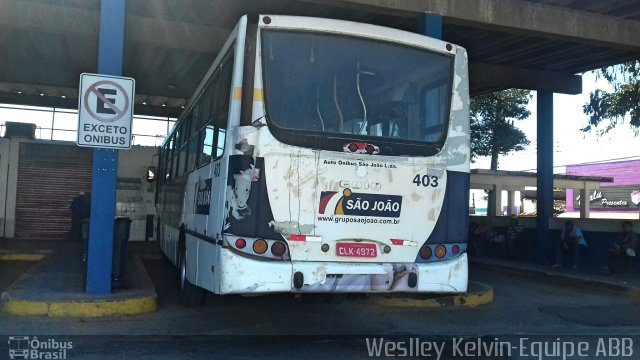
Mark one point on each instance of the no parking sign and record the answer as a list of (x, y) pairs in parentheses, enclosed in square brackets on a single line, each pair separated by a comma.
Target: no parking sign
[(105, 111)]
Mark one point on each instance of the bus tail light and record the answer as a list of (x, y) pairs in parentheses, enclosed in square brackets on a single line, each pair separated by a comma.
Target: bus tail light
[(260, 246), (440, 252), (259, 249), (425, 252), (370, 149), (278, 248)]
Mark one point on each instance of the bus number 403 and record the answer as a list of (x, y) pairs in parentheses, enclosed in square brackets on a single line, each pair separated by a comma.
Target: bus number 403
[(425, 180)]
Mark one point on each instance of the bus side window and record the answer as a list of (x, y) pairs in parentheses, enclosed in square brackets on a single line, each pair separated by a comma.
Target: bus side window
[(193, 138), (183, 145), (169, 158), (206, 145), (176, 152), (220, 142), (193, 153), (215, 113)]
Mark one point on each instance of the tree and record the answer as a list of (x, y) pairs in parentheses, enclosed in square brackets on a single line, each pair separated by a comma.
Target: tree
[(492, 130), (612, 107)]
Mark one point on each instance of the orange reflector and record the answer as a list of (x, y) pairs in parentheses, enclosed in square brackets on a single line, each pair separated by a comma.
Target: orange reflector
[(441, 251), (260, 246)]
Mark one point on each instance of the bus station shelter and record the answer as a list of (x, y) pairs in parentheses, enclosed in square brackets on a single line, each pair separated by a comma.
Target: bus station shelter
[(167, 46), (512, 181)]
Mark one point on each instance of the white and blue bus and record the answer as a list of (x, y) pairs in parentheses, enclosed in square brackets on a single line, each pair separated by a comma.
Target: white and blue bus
[(320, 156)]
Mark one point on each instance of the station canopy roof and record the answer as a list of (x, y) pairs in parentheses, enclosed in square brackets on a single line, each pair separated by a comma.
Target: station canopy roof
[(169, 44)]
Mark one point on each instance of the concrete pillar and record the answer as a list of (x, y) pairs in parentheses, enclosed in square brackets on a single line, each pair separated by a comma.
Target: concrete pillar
[(545, 174), (105, 161), (5, 154), (584, 203), (511, 198), (431, 25), (11, 188), (497, 205)]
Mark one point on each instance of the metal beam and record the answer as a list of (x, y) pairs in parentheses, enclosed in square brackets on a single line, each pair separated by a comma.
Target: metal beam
[(78, 22), (513, 15), (509, 77), (173, 107), (544, 194)]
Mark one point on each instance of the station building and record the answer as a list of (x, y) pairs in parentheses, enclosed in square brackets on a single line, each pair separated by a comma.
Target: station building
[(617, 199), (43, 170)]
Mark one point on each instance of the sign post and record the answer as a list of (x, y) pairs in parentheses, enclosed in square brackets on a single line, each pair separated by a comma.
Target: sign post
[(103, 100)]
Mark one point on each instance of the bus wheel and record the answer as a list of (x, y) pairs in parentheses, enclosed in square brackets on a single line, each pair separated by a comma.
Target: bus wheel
[(190, 295)]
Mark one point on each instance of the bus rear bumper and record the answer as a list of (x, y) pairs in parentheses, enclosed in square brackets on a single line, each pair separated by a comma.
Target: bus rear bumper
[(241, 275)]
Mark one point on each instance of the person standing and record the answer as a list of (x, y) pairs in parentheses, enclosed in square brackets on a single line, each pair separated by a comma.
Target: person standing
[(79, 207), (571, 239)]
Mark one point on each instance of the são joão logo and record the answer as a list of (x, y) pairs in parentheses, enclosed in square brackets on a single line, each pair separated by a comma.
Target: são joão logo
[(360, 204)]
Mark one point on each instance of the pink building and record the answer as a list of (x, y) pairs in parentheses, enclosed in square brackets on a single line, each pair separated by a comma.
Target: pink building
[(623, 194)]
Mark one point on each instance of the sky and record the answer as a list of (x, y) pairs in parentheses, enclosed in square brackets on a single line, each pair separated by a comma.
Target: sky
[(571, 146)]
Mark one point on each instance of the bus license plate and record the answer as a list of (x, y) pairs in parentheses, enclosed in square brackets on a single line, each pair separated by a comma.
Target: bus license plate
[(356, 250)]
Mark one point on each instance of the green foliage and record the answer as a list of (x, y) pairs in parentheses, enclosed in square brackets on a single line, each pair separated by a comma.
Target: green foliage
[(610, 108), (492, 129)]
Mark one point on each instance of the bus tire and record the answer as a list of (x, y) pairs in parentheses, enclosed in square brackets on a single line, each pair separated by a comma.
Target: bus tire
[(158, 233), (190, 295)]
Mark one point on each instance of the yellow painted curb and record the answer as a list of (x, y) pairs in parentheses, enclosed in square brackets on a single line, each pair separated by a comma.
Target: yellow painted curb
[(82, 309), (21, 257), (472, 299), (25, 307)]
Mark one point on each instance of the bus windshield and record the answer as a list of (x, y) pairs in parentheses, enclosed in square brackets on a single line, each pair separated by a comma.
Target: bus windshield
[(359, 87)]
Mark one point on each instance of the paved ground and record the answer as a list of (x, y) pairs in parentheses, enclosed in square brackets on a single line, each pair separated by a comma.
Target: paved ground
[(522, 306), (10, 271), (55, 284)]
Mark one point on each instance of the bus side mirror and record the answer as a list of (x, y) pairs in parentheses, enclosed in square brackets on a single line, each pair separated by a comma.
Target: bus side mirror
[(151, 174)]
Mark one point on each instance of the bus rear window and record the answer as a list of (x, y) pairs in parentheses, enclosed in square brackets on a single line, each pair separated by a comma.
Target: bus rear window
[(357, 87)]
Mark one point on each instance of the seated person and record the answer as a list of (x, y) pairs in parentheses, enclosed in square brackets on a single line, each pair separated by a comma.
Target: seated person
[(623, 250), (474, 247), (571, 239), (514, 232), (487, 235)]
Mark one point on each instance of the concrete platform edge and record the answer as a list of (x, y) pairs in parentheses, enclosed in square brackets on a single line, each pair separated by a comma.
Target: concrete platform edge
[(559, 277), (142, 301), (7, 255), (480, 295)]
